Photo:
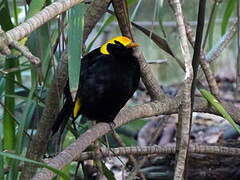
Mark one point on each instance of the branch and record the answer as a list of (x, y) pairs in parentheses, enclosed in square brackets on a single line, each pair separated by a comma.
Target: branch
[(40, 18), (204, 64), (121, 11), (5, 50), (4, 42), (127, 114), (30, 25), (38, 145), (157, 150), (132, 159), (215, 52), (93, 15), (25, 52), (183, 129)]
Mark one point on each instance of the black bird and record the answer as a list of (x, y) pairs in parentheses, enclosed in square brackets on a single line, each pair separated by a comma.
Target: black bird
[(109, 77)]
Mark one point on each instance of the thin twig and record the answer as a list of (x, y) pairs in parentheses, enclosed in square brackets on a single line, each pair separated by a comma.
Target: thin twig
[(158, 150), (185, 108), (210, 22), (223, 42), (40, 18), (4, 49), (204, 64), (132, 159), (155, 137), (157, 61), (25, 52), (237, 93), (121, 11), (197, 46)]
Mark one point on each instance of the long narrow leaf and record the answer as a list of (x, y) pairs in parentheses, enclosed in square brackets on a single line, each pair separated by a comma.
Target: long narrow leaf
[(227, 14), (35, 7), (75, 37), (15, 15), (211, 29), (48, 56), (217, 105), (8, 121), (5, 18), (109, 174), (20, 158), (2, 85), (106, 23), (1, 149), (26, 118), (46, 48), (160, 16), (162, 43), (135, 10), (18, 72)]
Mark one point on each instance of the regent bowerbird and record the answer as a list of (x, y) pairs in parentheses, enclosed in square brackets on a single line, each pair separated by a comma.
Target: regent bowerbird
[(109, 77)]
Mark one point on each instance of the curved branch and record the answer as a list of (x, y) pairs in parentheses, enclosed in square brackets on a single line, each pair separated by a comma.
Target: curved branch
[(157, 149), (127, 114), (40, 18)]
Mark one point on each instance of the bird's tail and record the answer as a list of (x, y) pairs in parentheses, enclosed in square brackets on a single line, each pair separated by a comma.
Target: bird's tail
[(65, 112)]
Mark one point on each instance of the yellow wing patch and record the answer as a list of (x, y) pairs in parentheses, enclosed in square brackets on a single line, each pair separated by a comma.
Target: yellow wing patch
[(76, 108), (122, 39)]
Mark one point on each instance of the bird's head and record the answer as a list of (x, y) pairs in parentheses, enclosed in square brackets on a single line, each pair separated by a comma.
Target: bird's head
[(118, 44)]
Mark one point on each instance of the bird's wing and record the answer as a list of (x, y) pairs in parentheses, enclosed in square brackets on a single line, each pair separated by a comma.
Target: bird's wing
[(73, 108), (88, 61)]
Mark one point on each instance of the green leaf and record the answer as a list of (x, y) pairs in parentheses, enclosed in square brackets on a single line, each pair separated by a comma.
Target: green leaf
[(43, 165), (135, 10), (2, 85), (109, 174), (130, 2), (217, 105), (9, 108), (15, 12), (40, 44), (5, 18), (227, 13), (75, 37), (1, 149), (66, 170), (35, 7), (45, 45), (24, 99), (18, 72), (160, 42), (159, 5), (211, 29), (48, 56), (106, 23), (23, 87), (129, 141), (24, 122)]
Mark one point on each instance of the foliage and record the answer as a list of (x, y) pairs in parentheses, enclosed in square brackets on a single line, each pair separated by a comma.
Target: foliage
[(23, 88)]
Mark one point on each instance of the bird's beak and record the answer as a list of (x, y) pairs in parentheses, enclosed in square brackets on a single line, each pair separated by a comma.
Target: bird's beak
[(132, 45)]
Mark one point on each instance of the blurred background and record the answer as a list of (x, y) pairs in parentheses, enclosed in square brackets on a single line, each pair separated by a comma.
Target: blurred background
[(23, 91)]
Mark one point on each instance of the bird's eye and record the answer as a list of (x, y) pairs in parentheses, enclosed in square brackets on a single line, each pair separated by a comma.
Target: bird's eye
[(118, 43)]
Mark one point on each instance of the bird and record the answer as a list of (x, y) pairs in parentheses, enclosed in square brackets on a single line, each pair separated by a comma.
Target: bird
[(109, 77)]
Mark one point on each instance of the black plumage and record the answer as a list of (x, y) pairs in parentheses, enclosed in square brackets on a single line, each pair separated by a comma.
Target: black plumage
[(107, 82)]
